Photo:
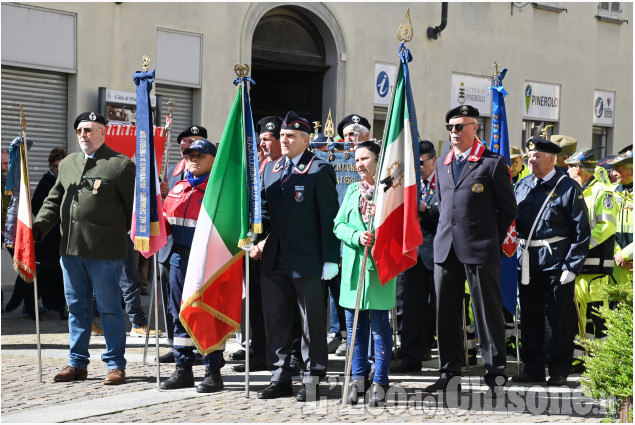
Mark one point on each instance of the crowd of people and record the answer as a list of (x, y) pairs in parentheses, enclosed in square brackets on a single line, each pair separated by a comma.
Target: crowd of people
[(572, 217)]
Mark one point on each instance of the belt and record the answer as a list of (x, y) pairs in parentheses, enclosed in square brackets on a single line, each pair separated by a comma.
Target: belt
[(183, 251), (542, 242)]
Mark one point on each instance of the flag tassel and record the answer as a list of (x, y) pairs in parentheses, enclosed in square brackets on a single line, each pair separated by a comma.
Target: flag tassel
[(141, 243)]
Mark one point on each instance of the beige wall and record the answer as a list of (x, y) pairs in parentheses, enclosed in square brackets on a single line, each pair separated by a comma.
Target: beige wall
[(570, 48)]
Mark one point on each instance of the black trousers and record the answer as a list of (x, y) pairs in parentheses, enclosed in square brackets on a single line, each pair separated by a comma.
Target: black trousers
[(416, 311), (544, 295), (281, 296), (483, 281)]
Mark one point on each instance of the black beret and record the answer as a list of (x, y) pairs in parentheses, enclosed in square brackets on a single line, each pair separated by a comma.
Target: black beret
[(542, 145), (351, 119), (462, 111), (90, 116), (293, 122), (193, 130), (269, 124)]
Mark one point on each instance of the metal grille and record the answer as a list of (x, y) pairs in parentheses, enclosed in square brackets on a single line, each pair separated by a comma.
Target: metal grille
[(182, 116), (44, 98)]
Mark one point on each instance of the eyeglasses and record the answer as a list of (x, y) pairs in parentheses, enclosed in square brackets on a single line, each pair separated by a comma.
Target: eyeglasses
[(86, 130), (424, 161), (459, 127)]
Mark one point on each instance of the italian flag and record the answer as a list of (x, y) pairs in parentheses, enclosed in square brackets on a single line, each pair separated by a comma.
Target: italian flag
[(212, 293), (24, 256), (397, 231)]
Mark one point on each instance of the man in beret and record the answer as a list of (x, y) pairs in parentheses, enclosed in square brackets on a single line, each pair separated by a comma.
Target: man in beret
[(92, 199), (346, 128), (518, 168), (623, 165), (598, 265), (299, 204), (553, 240), (568, 146), (268, 129), (175, 174), (476, 207)]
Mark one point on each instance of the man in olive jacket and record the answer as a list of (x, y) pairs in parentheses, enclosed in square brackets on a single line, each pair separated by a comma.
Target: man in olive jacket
[(93, 198)]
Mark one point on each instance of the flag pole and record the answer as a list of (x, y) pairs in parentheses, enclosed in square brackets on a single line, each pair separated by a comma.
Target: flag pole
[(27, 196), (246, 259), (156, 318)]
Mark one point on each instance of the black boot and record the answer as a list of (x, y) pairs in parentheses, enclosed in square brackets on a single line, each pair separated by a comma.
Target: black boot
[(377, 395), (212, 383), (356, 392), (181, 378)]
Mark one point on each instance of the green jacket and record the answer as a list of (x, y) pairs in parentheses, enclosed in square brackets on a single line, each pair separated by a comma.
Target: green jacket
[(93, 198), (348, 227)]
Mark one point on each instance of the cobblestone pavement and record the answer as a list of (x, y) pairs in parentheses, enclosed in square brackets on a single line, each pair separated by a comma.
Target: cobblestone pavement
[(24, 399)]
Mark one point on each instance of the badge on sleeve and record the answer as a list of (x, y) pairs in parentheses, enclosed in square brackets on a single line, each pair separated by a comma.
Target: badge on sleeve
[(96, 186), (477, 188), (608, 201)]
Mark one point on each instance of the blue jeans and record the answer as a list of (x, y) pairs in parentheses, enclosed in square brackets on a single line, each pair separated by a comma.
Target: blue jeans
[(130, 284), (82, 277), (375, 321)]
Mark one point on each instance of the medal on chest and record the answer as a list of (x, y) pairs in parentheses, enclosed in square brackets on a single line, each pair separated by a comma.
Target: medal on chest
[(96, 186)]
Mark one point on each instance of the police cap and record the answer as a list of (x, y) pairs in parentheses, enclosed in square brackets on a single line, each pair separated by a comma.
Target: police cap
[(461, 111), (293, 122)]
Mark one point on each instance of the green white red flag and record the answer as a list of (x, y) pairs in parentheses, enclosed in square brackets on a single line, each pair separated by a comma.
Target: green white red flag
[(397, 231), (212, 292), (24, 255)]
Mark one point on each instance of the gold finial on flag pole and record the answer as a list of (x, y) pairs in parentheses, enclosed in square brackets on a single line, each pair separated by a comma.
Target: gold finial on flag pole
[(495, 66), (241, 71), (329, 128), (146, 63), (404, 33), (22, 119)]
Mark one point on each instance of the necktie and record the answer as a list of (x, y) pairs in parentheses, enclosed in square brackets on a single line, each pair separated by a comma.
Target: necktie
[(424, 187), (538, 183), (288, 170)]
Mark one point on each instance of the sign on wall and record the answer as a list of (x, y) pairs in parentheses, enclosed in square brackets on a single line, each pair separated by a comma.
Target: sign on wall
[(471, 90), (384, 80), (542, 101), (603, 108)]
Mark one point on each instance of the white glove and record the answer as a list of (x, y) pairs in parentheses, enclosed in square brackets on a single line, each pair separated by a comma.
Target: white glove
[(567, 277), (329, 271)]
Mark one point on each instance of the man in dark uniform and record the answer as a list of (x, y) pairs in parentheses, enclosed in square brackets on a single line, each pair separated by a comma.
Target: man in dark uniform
[(549, 258), (92, 199), (476, 207), (299, 204), (175, 174), (415, 286)]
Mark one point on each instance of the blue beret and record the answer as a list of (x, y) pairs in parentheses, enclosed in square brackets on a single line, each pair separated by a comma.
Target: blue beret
[(541, 145), (201, 146)]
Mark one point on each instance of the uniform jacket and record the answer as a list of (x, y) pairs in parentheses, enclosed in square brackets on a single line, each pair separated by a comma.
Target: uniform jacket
[(181, 208), (93, 199), (428, 220), (348, 228), (299, 217), (175, 173), (624, 234), (565, 215), (474, 214)]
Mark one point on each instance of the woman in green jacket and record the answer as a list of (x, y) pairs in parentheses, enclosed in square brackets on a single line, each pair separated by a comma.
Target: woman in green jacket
[(376, 299)]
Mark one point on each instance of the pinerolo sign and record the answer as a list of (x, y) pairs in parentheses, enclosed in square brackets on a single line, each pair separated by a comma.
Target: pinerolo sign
[(542, 101)]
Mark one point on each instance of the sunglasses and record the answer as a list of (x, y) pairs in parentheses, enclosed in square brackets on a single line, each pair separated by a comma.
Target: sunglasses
[(86, 130), (459, 127), (424, 161)]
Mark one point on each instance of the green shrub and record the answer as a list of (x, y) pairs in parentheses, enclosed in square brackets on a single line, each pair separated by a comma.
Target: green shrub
[(609, 363)]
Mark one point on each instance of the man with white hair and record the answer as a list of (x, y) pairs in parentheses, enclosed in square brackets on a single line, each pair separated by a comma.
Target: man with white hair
[(553, 240)]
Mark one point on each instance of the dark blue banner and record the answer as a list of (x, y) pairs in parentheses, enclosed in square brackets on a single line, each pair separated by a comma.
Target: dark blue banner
[(405, 57), (345, 170)]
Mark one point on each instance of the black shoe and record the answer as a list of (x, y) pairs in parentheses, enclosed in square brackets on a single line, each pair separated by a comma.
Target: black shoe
[(255, 366), (443, 384), (405, 367), (198, 360), (297, 365), (181, 378), (238, 355), (308, 392), (167, 357), (212, 383), (427, 355), (377, 396), (276, 390), (495, 382), (556, 381), (527, 378), (357, 392), (577, 368)]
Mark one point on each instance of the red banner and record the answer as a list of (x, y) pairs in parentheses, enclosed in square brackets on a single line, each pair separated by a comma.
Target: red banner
[(123, 139)]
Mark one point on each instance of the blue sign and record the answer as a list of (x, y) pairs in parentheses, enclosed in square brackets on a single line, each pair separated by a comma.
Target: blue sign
[(345, 170), (382, 84)]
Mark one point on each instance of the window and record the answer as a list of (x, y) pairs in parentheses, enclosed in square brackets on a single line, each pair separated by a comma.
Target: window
[(610, 12)]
